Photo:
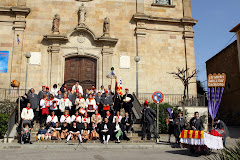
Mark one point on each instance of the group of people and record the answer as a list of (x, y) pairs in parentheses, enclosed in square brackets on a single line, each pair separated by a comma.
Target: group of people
[(177, 123), (71, 114)]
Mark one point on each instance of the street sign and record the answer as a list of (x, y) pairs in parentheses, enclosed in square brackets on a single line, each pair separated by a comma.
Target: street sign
[(157, 97), (216, 80)]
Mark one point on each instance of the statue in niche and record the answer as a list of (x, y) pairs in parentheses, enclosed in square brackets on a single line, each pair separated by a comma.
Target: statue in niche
[(81, 16), (106, 27), (56, 24)]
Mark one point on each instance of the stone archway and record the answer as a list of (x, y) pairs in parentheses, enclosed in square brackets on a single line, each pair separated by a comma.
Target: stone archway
[(82, 69)]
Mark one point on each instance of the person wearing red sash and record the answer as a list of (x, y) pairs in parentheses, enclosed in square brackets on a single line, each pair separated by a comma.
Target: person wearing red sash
[(54, 102), (96, 118), (91, 104), (65, 103), (65, 118), (80, 102), (109, 116), (85, 118), (27, 115), (77, 118), (51, 120), (44, 109), (118, 116)]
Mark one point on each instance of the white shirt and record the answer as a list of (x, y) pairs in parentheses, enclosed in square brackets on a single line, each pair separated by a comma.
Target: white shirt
[(80, 90), (65, 119), (74, 118), (119, 119), (44, 103), (86, 120), (53, 106), (54, 92), (64, 102), (117, 128), (93, 102), (27, 114), (52, 119)]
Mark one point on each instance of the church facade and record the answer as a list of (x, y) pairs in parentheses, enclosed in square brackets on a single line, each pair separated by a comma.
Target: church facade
[(81, 40)]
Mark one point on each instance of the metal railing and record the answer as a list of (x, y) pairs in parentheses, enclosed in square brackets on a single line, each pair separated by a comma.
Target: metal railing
[(175, 99), (10, 94)]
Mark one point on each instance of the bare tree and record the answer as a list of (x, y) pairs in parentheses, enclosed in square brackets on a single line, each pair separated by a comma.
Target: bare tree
[(182, 74)]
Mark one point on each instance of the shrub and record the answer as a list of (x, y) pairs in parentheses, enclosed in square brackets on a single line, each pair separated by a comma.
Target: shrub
[(231, 153), (6, 107), (3, 124), (163, 115)]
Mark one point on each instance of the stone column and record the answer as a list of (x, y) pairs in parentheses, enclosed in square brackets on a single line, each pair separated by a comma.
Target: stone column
[(106, 64), (187, 9), (140, 6)]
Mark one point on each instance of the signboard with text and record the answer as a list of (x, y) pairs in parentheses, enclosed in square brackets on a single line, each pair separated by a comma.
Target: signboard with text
[(216, 80), (4, 61)]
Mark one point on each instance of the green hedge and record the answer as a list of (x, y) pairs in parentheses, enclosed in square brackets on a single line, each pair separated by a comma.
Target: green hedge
[(163, 115), (3, 124)]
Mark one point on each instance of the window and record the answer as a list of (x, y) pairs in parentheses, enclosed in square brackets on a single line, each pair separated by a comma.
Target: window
[(164, 2)]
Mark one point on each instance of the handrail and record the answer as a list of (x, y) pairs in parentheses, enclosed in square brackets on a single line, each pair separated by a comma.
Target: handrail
[(136, 107)]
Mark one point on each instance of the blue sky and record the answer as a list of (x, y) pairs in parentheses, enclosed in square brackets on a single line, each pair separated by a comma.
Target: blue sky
[(215, 19)]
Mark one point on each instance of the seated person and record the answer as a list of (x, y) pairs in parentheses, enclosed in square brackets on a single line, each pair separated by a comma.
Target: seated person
[(56, 132), (127, 123), (94, 132), (109, 116), (48, 135), (96, 118), (27, 116), (117, 131), (74, 132), (85, 132), (26, 136), (64, 130), (118, 116), (52, 119), (106, 130), (65, 117), (85, 118), (41, 133), (76, 118)]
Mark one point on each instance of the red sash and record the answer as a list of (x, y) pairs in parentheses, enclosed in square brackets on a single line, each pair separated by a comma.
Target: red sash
[(90, 99), (52, 117), (66, 117), (76, 117), (28, 109), (85, 118)]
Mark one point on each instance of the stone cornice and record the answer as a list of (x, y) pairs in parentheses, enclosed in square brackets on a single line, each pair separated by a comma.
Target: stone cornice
[(144, 17), (54, 37), (16, 10)]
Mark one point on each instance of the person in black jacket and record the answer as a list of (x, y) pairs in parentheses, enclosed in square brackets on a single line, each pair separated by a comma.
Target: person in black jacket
[(196, 123), (127, 123), (179, 124), (105, 131), (75, 132), (127, 101), (148, 117), (117, 99), (109, 116)]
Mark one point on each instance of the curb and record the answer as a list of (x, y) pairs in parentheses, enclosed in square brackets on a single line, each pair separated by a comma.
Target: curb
[(76, 146)]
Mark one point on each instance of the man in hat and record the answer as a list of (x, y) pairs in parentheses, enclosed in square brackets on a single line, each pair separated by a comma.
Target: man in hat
[(148, 117), (127, 101), (41, 93), (48, 92)]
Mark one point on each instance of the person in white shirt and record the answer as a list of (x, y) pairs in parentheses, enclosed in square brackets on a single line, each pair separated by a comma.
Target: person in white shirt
[(54, 102), (78, 87), (80, 102), (54, 90), (76, 118), (85, 118), (44, 105), (27, 115), (52, 120), (118, 116), (65, 118), (91, 104), (65, 103)]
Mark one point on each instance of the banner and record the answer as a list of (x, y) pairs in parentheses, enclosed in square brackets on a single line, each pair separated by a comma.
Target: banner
[(4, 61)]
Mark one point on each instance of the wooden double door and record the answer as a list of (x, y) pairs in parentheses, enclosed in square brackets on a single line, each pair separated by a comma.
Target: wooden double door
[(82, 69)]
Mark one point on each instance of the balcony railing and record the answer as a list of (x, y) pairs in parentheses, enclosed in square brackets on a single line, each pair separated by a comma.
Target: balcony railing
[(175, 99), (10, 94)]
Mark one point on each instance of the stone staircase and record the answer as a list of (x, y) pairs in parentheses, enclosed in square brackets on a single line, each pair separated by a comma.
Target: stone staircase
[(135, 137)]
